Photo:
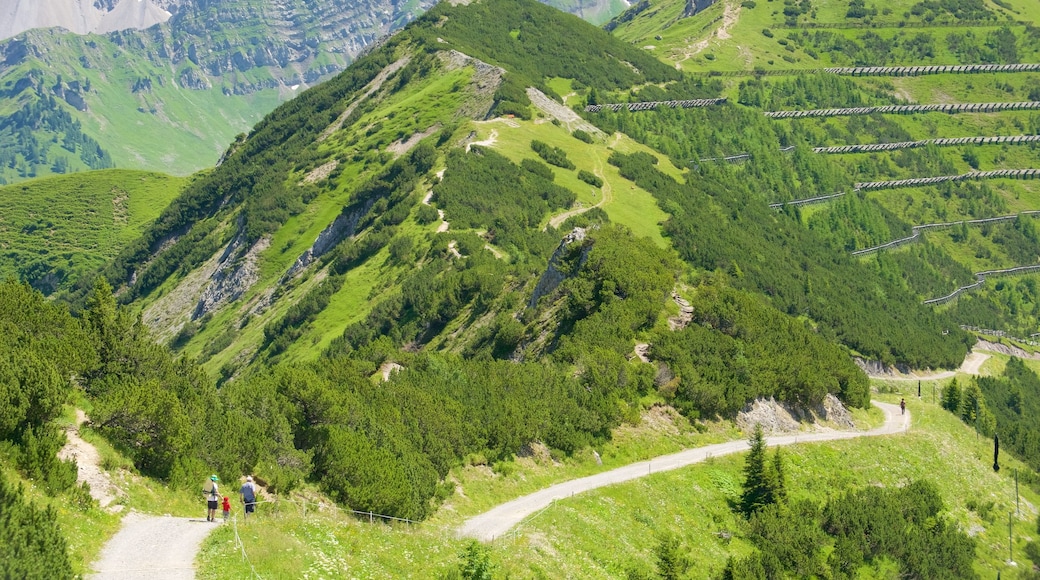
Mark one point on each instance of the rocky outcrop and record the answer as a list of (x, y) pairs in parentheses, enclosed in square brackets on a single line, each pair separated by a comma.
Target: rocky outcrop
[(235, 274), (482, 86), (695, 6), (778, 417), (78, 16), (193, 79), (552, 277), (875, 368), (340, 229)]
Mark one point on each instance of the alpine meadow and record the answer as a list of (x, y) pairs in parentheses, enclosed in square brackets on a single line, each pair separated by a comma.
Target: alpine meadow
[(710, 289)]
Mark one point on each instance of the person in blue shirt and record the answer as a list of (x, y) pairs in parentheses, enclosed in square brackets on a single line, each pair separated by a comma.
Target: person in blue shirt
[(248, 493)]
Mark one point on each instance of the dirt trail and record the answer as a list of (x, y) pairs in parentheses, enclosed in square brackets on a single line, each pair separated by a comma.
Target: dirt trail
[(499, 520), (373, 86), (152, 548), (88, 465), (607, 197), (492, 138), (730, 16), (971, 366)]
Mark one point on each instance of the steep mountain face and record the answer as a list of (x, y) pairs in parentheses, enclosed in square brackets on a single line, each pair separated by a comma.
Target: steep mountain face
[(80, 16), (209, 71)]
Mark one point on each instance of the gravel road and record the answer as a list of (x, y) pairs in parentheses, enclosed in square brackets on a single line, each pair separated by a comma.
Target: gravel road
[(152, 548), (497, 521)]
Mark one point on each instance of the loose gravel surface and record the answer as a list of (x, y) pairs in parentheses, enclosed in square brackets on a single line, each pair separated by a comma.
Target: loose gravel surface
[(499, 520), (152, 548)]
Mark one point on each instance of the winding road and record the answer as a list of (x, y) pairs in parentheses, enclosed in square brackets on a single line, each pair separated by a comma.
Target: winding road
[(499, 520)]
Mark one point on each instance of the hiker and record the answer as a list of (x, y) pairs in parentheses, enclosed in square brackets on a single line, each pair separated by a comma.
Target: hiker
[(902, 406), (227, 508), (248, 493), (212, 495)]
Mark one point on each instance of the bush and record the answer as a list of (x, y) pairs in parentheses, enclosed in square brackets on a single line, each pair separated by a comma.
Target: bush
[(590, 178), (540, 169), (582, 136), (552, 155), (30, 539)]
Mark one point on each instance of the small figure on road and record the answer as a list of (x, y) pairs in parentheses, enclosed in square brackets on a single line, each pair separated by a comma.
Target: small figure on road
[(212, 494), (902, 406), (248, 493), (227, 508)]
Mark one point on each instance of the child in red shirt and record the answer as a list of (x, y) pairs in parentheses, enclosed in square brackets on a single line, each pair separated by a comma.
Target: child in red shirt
[(227, 508)]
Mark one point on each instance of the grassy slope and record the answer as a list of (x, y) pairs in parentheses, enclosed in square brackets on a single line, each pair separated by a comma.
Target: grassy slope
[(78, 221), (194, 126), (571, 538), (749, 48), (414, 110)]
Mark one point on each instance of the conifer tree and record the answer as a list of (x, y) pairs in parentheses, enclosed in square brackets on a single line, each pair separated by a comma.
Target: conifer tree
[(758, 489), (951, 397)]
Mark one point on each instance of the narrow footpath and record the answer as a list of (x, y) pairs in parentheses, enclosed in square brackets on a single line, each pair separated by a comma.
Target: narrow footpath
[(499, 520)]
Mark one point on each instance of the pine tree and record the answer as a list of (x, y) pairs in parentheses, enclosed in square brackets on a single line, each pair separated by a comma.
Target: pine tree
[(672, 563), (951, 397), (758, 489)]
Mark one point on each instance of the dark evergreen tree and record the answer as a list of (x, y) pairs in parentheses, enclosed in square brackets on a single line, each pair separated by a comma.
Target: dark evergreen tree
[(758, 487), (30, 539), (951, 397)]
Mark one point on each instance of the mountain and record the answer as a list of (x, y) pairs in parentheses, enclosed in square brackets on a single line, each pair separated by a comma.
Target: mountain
[(503, 228), (315, 232), (79, 16), (169, 98)]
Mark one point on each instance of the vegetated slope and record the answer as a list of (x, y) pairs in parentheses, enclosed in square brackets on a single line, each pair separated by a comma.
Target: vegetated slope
[(57, 229), (692, 505), (170, 98), (315, 260), (946, 254)]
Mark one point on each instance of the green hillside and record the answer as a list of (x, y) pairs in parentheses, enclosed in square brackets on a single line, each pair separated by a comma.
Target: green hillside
[(172, 97), (689, 504), (55, 230), (438, 261)]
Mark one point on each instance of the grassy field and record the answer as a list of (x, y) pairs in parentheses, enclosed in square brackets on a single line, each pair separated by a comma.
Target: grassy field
[(77, 222), (732, 35), (607, 532)]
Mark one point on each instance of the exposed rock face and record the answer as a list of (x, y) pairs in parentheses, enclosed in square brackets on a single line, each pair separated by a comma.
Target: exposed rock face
[(79, 16), (340, 229), (777, 417), (553, 276), (695, 6), (483, 85), (234, 275), (879, 369)]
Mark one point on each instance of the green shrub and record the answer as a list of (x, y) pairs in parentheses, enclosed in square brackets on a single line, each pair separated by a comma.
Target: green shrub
[(30, 538), (590, 178), (582, 136), (552, 155)]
